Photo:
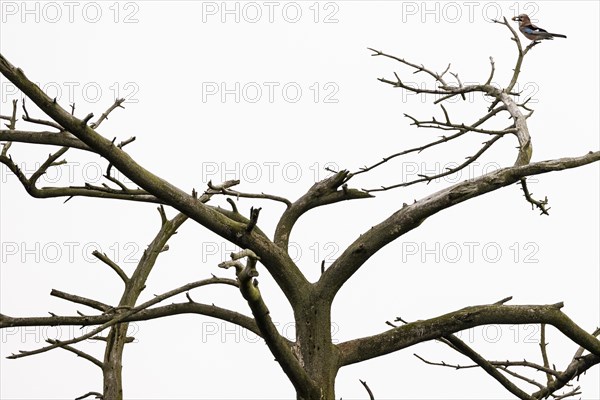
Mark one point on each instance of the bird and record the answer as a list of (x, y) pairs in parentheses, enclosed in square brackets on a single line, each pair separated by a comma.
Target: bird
[(532, 32)]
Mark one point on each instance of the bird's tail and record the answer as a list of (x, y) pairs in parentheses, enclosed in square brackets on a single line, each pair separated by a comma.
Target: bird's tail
[(557, 35)]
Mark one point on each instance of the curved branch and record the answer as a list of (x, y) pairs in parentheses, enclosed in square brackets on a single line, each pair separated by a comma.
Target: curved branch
[(411, 216), (105, 114), (368, 389), (321, 193), (276, 260), (522, 131), (88, 394), (113, 265), (73, 191), (522, 53), (144, 315), (51, 161), (410, 334)]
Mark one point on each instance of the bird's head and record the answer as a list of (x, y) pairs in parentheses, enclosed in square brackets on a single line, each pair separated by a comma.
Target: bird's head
[(521, 17)]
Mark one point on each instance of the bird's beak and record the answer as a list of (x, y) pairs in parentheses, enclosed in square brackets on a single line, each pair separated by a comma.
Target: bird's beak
[(516, 18)]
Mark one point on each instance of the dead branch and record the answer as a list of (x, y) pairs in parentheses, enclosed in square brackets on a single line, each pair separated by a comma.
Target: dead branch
[(79, 353), (6, 321), (105, 114)]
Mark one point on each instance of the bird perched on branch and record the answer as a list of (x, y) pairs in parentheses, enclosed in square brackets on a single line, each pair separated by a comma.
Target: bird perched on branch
[(533, 32)]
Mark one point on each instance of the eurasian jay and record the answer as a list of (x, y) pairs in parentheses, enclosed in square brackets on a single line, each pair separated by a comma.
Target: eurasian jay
[(531, 31)]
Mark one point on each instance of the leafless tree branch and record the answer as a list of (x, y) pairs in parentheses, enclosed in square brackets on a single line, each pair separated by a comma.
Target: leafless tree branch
[(6, 321), (145, 315), (88, 394), (311, 303), (556, 380), (63, 138), (411, 216), (27, 118), (444, 139), (79, 353), (97, 305), (104, 258), (278, 345), (368, 389), (449, 171), (440, 327), (321, 193), (116, 104)]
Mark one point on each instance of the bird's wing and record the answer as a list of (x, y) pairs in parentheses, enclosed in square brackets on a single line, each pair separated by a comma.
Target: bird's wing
[(532, 29)]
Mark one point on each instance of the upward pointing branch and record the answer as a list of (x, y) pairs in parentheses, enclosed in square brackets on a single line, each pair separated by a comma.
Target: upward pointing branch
[(321, 193), (411, 216), (276, 260)]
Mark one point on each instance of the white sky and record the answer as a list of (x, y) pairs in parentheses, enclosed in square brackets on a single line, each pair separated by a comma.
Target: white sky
[(173, 60)]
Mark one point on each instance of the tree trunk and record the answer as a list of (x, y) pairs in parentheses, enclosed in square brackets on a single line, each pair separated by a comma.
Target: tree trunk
[(113, 356), (315, 350)]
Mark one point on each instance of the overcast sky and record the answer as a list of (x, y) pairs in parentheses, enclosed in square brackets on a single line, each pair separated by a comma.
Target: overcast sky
[(271, 93)]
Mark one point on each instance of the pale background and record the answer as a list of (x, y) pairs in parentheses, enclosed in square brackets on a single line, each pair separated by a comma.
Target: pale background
[(165, 55)]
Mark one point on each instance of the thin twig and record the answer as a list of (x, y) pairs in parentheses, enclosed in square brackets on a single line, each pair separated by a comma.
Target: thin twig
[(106, 113), (540, 204), (444, 139), (88, 394), (79, 353), (104, 258), (543, 345), (449, 171), (97, 305), (27, 118), (368, 389)]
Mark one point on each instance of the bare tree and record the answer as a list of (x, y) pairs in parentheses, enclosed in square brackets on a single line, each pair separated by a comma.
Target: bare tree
[(312, 361)]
